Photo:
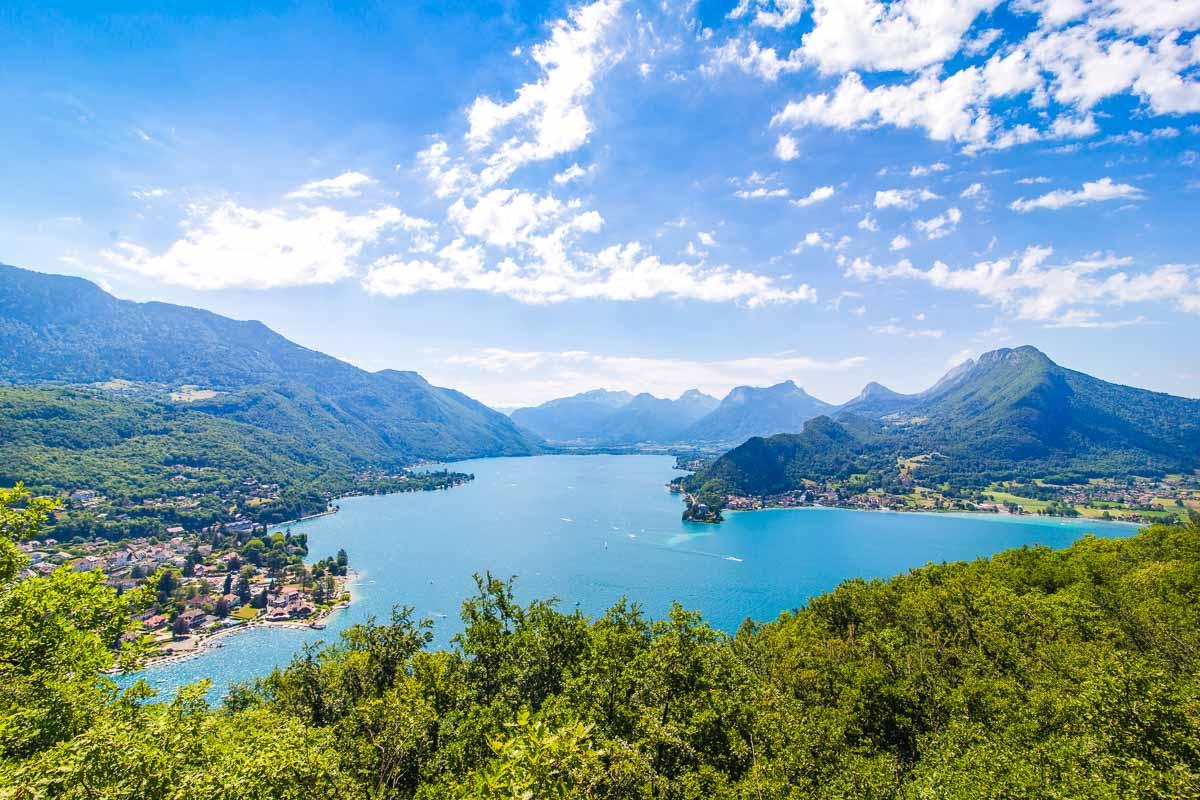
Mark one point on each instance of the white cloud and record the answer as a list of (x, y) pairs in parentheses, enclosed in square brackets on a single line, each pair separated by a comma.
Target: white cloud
[(941, 225), (868, 223), (230, 246), (348, 184), (760, 193), (507, 377), (547, 117), (815, 196), (776, 14), (921, 170), (908, 333), (572, 173), (811, 239), (787, 148), (900, 242), (621, 272), (526, 244), (505, 217), (902, 35), (1029, 288), (903, 198), (753, 59), (1091, 192), (149, 193), (974, 190), (1034, 180)]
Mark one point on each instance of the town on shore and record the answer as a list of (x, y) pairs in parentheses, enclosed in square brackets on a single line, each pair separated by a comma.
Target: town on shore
[(1137, 500), (226, 576)]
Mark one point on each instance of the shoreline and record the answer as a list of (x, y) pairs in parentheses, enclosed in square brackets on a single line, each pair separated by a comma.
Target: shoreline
[(209, 641), (939, 513)]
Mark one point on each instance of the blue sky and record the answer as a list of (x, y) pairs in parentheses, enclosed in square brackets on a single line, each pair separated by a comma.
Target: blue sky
[(528, 200)]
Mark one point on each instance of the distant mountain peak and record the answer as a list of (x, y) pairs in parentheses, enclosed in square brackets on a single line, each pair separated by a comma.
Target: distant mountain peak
[(875, 390)]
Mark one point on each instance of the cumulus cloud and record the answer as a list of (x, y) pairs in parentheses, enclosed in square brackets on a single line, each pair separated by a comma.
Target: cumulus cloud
[(787, 148), (815, 196), (921, 170), (547, 118), (901, 35), (903, 198), (573, 173), (348, 184), (530, 245), (1091, 192), (1065, 65), (974, 190), (776, 14), (621, 272), (760, 193), (1031, 288), (900, 242), (230, 246), (941, 225)]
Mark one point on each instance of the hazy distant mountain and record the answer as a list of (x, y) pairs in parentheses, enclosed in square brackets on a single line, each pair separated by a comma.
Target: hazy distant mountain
[(1013, 413), (652, 419), (55, 328), (601, 417), (572, 418), (877, 400), (748, 411)]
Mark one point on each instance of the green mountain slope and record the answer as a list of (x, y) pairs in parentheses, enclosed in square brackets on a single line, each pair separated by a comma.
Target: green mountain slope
[(133, 449), (67, 330), (1013, 414)]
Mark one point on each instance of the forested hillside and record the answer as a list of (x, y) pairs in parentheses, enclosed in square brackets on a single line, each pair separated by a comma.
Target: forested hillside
[(63, 330), (1013, 415), (1036, 673)]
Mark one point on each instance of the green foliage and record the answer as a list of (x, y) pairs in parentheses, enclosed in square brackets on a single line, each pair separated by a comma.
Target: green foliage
[(57, 634)]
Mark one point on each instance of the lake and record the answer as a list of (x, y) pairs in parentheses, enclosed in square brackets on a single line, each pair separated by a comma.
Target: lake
[(590, 529)]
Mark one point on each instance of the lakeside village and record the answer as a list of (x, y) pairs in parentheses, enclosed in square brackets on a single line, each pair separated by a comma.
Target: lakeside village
[(226, 574), (1139, 500)]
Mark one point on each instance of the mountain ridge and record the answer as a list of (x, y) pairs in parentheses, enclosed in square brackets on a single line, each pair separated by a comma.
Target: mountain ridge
[(63, 329), (1011, 413)]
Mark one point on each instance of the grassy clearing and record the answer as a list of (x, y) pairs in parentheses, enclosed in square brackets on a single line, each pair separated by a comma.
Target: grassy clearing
[(1026, 503)]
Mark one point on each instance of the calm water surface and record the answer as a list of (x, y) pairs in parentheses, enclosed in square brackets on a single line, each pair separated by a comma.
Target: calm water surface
[(590, 529)]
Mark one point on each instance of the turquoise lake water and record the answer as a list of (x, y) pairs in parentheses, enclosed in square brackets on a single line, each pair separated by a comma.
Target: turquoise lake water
[(590, 529)]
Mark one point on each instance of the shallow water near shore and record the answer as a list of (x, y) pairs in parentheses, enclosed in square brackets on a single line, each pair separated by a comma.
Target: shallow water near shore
[(590, 529)]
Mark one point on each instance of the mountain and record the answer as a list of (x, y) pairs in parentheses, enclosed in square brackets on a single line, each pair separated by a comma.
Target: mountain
[(877, 400), (67, 330), (748, 411), (647, 418), (601, 417), (1014, 413), (572, 418)]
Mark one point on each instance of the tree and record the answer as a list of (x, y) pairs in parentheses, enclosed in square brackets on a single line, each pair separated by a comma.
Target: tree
[(166, 585), (58, 633), (179, 626)]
